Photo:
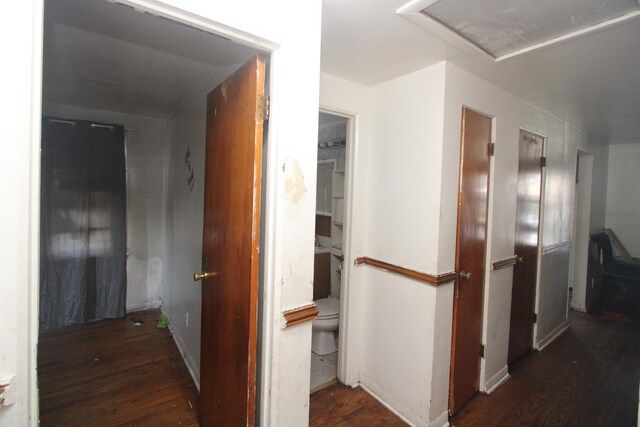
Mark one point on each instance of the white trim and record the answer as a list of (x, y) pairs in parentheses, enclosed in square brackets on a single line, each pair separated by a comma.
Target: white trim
[(33, 290), (190, 19), (544, 342), (344, 375), (191, 365), (576, 34), (386, 405), (441, 421), (541, 215), (497, 380), (413, 11), (144, 306)]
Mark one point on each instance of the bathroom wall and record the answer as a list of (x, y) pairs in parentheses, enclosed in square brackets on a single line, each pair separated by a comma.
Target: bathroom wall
[(145, 150), (623, 195)]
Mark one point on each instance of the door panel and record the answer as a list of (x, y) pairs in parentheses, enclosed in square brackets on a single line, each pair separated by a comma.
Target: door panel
[(526, 246), (470, 258), (230, 248)]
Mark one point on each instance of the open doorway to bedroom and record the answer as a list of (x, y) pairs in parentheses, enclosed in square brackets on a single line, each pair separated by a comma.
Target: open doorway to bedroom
[(120, 79)]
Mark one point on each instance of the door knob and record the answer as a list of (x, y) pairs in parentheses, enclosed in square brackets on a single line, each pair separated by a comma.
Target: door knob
[(465, 275), (200, 276), (520, 259)]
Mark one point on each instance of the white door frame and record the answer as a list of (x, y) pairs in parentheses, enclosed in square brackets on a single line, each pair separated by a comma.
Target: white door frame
[(237, 36), (345, 371), (582, 218)]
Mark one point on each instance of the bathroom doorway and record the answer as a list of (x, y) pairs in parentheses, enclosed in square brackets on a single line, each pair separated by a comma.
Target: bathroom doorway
[(328, 251)]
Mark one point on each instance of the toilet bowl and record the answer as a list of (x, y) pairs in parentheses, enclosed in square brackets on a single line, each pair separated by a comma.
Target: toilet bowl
[(322, 338)]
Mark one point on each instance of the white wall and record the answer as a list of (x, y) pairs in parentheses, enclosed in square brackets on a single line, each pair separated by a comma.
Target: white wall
[(410, 168), (145, 198), (295, 65), (404, 175), (511, 114), (19, 227), (623, 195)]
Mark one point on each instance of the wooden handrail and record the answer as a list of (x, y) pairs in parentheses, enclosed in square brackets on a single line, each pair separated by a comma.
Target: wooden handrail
[(431, 279), (617, 243)]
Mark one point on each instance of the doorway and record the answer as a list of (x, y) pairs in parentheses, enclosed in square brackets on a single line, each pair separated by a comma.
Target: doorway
[(153, 83), (466, 346), (328, 250), (530, 163)]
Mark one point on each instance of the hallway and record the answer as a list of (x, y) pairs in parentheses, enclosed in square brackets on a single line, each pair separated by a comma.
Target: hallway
[(588, 377)]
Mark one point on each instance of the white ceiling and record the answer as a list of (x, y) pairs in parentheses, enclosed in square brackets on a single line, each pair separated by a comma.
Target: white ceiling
[(106, 56), (592, 81), (501, 27)]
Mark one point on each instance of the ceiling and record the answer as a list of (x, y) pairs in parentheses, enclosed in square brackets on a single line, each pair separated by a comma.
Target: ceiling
[(591, 81), (106, 56)]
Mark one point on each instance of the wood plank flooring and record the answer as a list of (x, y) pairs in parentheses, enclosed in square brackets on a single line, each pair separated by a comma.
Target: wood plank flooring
[(338, 405), (112, 373), (588, 377)]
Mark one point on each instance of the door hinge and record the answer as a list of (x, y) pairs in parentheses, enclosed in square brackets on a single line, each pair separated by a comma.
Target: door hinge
[(263, 107), (535, 317), (482, 350), (491, 149), (543, 162)]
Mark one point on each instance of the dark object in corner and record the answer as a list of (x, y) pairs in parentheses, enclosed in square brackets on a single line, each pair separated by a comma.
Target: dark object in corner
[(620, 278)]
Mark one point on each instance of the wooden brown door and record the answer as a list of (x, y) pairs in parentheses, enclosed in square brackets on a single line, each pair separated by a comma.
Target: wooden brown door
[(526, 247), (230, 248), (470, 258)]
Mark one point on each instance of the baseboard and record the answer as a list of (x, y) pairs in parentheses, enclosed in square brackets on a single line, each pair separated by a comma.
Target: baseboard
[(191, 366), (578, 307), (380, 399), (552, 335), (497, 380), (400, 410), (131, 308), (441, 421)]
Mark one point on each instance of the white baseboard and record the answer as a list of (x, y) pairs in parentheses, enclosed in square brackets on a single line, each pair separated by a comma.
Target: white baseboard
[(143, 306), (578, 307), (552, 335), (381, 399), (441, 421), (191, 365), (497, 380)]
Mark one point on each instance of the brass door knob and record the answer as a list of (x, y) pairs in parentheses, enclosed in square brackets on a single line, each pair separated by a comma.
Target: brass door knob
[(200, 276), (465, 275)]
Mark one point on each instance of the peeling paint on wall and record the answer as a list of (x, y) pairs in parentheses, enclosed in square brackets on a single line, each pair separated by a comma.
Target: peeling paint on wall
[(295, 188)]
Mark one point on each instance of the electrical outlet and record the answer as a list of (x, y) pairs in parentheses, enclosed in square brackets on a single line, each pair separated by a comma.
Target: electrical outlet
[(186, 319)]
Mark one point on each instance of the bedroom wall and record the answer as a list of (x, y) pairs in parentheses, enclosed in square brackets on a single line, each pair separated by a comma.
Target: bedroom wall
[(145, 150)]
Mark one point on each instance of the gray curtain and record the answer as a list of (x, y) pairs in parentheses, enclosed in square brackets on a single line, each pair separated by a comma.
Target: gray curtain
[(83, 223)]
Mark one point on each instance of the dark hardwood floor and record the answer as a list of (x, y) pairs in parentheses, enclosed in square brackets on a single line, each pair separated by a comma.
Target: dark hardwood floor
[(588, 377), (339, 405), (111, 373)]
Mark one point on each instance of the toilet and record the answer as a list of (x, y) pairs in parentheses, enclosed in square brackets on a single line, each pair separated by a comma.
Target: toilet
[(322, 338)]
